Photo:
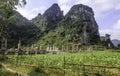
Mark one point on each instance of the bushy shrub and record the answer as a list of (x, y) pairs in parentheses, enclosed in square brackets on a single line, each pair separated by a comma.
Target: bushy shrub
[(38, 71)]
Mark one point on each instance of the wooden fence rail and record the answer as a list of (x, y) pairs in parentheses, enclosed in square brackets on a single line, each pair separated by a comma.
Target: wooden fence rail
[(65, 69), (89, 65)]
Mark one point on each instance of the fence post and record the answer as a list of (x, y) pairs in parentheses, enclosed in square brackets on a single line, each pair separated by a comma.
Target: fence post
[(43, 61), (72, 63), (64, 65), (17, 60), (92, 69), (84, 70)]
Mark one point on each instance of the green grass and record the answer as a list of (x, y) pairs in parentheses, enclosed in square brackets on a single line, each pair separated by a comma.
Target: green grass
[(98, 58), (7, 73), (105, 58), (4, 72)]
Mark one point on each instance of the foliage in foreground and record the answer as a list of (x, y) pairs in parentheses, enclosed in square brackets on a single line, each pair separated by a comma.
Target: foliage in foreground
[(99, 58), (42, 62), (6, 73), (3, 72)]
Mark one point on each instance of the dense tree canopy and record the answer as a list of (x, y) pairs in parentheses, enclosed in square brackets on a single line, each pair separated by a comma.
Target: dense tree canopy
[(11, 4), (7, 8)]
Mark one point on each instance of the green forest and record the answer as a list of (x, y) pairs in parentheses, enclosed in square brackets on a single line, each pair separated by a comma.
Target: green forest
[(54, 44)]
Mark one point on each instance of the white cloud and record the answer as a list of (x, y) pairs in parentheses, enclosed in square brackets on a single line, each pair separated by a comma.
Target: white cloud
[(63, 1), (114, 32), (29, 14), (36, 9), (105, 31), (86, 2), (99, 6), (26, 13), (118, 7), (40, 9), (117, 25), (65, 7)]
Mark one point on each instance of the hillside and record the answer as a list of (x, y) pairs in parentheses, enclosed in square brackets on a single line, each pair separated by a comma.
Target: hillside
[(21, 29), (78, 26), (116, 42), (48, 20), (52, 28)]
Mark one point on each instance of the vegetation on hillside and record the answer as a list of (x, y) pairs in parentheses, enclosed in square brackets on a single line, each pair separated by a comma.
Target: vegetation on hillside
[(7, 8)]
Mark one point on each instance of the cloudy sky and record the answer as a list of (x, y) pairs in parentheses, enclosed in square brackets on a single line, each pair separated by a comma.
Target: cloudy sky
[(107, 12)]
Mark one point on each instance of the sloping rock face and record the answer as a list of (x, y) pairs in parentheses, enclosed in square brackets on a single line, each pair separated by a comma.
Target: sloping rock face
[(53, 14), (116, 42), (78, 26), (82, 18), (48, 20)]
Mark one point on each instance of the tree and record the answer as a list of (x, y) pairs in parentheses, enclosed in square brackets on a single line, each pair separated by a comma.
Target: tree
[(7, 8)]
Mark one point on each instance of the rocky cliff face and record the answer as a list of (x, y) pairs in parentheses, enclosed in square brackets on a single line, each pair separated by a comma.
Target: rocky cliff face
[(53, 14), (51, 17), (77, 26), (83, 16)]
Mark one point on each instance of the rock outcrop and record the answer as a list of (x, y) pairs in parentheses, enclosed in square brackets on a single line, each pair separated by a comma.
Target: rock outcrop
[(48, 20), (83, 16), (78, 26)]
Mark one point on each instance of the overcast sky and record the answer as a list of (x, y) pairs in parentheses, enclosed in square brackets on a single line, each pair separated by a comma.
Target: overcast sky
[(107, 12)]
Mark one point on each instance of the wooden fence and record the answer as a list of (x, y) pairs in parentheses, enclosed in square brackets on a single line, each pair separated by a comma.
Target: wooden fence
[(79, 68)]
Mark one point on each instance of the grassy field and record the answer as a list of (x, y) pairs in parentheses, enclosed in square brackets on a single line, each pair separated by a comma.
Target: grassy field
[(4, 72), (35, 65)]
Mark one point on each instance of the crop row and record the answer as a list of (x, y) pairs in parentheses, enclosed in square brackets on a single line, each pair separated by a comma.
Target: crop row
[(96, 58)]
